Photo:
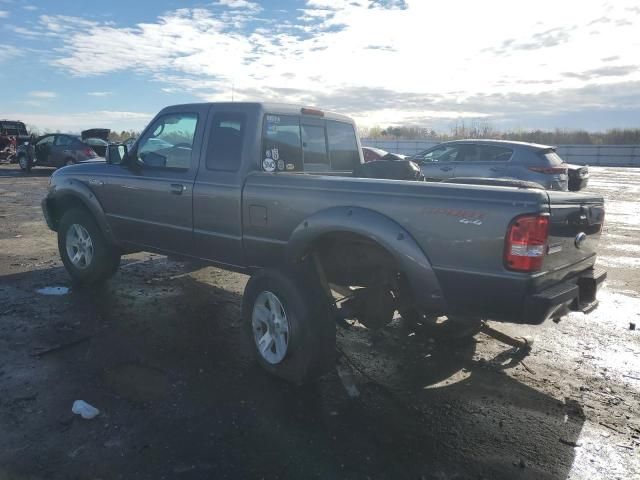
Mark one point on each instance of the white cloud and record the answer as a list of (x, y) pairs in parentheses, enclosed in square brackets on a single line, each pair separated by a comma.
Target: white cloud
[(6, 54), (448, 62), (240, 5), (43, 94), (99, 94), (31, 8), (75, 122), (4, 14)]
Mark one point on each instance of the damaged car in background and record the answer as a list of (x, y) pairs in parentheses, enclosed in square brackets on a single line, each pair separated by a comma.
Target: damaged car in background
[(12, 134), (58, 149)]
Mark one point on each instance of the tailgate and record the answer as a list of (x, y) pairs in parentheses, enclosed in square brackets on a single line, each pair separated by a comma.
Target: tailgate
[(574, 231)]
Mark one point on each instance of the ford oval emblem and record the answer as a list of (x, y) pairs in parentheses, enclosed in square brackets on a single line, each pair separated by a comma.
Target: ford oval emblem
[(580, 239)]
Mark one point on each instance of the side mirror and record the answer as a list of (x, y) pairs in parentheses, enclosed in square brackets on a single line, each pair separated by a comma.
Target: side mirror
[(115, 154)]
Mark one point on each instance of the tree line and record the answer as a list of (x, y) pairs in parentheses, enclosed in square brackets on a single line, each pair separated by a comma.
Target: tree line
[(114, 136), (478, 130)]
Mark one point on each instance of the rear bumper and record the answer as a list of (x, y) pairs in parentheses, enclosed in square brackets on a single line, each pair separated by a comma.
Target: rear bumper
[(576, 294)]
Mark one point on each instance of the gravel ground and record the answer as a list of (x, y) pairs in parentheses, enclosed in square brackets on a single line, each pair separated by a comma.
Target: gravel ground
[(160, 351)]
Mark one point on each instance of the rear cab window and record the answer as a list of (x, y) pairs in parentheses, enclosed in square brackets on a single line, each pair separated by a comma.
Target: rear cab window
[(292, 143)]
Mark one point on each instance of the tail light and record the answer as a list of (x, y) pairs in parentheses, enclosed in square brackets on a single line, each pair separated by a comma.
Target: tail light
[(549, 170), (526, 243), (88, 152)]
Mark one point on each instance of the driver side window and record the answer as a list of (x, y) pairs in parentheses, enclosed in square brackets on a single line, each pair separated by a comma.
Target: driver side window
[(169, 141), (46, 141)]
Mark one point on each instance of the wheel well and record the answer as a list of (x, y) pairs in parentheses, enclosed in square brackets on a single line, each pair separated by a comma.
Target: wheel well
[(350, 259), (57, 207)]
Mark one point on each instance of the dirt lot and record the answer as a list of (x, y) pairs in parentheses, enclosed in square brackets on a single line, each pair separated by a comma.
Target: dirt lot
[(160, 351)]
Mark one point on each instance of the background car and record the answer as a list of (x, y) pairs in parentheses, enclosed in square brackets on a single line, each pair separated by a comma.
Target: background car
[(496, 159), (372, 154), (54, 150)]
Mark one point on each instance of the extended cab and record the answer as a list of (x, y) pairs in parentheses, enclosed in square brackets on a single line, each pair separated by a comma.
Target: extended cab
[(268, 190)]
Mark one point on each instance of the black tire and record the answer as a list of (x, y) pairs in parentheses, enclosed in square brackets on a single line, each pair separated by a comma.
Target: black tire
[(105, 258), (311, 338), (24, 163), (438, 328)]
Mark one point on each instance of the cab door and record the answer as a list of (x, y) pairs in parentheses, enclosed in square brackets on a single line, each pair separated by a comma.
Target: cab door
[(43, 150), (149, 201)]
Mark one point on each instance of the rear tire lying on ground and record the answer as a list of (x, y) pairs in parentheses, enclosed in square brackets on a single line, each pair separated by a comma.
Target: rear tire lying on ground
[(86, 254), (288, 321), (439, 328)]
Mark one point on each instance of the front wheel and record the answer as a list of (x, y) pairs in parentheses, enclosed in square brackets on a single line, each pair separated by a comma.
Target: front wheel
[(86, 254), (289, 325)]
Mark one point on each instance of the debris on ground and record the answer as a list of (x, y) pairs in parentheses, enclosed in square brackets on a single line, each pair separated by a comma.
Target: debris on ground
[(346, 377), (85, 410)]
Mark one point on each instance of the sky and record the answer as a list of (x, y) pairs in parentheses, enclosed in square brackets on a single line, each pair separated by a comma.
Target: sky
[(71, 65)]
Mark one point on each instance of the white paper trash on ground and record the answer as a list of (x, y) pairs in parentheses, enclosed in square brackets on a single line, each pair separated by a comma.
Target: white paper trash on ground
[(86, 411)]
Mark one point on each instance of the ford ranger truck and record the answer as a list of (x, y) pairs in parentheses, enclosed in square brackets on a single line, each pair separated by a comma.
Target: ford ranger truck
[(267, 190)]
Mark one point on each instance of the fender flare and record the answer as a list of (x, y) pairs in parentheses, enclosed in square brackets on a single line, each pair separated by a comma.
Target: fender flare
[(79, 191), (412, 261)]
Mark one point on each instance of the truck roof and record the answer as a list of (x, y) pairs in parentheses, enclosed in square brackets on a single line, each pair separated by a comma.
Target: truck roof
[(276, 108)]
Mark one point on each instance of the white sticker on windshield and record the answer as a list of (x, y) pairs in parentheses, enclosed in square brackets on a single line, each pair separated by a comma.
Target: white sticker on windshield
[(275, 154), (273, 118), (280, 164), (268, 165), (268, 153)]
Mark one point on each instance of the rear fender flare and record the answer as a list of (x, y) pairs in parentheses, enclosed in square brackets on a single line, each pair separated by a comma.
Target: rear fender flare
[(411, 260), (80, 192)]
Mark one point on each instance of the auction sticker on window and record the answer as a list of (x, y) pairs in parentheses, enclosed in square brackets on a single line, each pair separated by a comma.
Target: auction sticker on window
[(268, 165)]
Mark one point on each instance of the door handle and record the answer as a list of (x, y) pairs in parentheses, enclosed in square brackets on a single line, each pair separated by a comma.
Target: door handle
[(178, 188)]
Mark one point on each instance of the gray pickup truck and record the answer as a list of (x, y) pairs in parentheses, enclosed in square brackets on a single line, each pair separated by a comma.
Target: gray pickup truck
[(268, 190)]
